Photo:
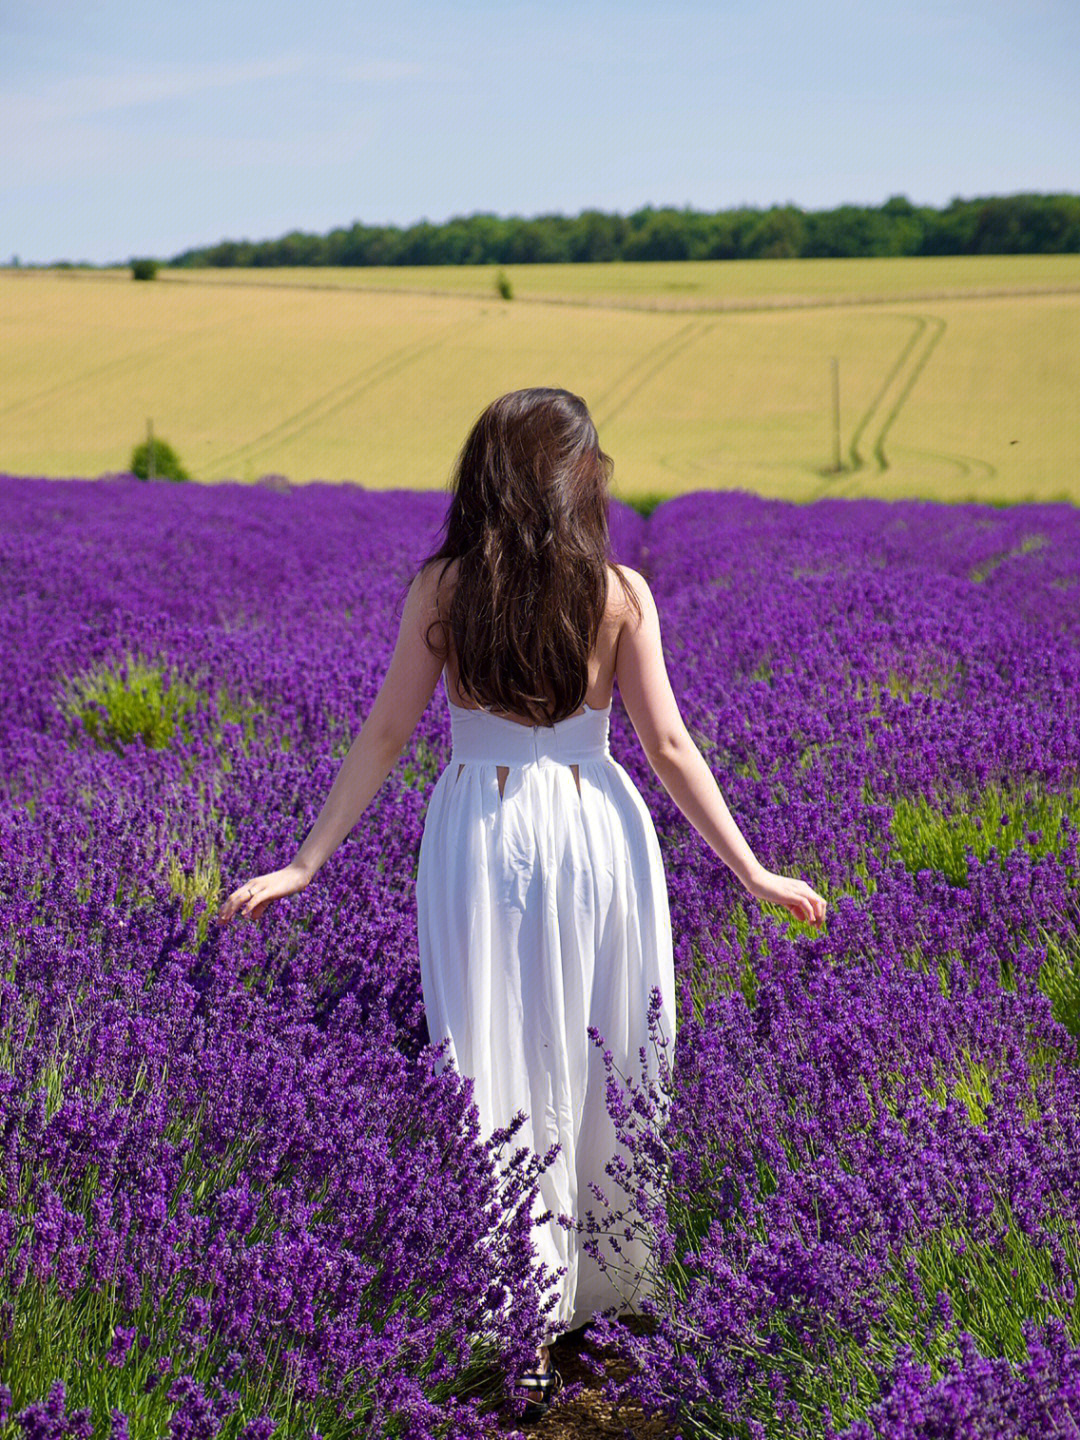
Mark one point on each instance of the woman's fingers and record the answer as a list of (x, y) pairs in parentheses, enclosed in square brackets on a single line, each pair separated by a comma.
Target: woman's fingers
[(257, 912), (246, 900), (812, 905)]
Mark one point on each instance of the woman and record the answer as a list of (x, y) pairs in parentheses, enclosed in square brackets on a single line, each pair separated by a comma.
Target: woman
[(541, 899)]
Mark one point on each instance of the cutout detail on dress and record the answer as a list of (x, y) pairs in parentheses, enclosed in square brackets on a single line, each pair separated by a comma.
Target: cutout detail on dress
[(502, 771)]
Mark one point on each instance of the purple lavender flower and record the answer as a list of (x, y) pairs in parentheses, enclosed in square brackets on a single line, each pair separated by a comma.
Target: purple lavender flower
[(247, 1132)]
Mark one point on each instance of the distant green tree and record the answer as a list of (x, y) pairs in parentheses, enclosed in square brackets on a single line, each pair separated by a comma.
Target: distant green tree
[(905, 225), (657, 235), (503, 286), (421, 244), (538, 242), (778, 235), (952, 231), (999, 229), (166, 462), (597, 237), (1025, 224), (144, 269)]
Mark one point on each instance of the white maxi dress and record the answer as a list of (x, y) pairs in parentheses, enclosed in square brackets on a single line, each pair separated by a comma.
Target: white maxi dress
[(541, 913)]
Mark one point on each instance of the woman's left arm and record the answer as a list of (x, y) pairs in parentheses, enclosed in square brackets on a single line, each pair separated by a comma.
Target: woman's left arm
[(403, 697)]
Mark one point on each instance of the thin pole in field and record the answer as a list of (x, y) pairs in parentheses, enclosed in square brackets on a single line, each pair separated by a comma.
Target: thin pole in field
[(836, 414), (150, 449)]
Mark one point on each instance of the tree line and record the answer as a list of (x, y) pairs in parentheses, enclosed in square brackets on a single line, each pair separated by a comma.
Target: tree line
[(1002, 225)]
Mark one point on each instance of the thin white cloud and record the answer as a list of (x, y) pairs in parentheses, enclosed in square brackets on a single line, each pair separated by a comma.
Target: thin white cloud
[(84, 96)]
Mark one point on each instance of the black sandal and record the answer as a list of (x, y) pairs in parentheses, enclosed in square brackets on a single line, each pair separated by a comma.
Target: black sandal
[(549, 1382)]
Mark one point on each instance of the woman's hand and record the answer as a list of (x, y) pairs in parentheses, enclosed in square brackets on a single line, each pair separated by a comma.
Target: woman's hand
[(253, 898), (795, 895)]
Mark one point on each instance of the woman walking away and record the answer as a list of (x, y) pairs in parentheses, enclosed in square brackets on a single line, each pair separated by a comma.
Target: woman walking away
[(541, 898)]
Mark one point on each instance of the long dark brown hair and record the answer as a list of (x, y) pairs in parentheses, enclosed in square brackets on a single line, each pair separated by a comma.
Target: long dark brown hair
[(528, 525)]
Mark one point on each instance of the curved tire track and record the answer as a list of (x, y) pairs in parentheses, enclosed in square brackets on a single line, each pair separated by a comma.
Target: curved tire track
[(330, 402), (131, 359), (966, 465), (903, 376), (655, 360), (909, 384), (857, 461)]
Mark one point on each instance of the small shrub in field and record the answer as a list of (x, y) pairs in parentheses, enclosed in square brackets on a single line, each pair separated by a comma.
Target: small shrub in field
[(503, 286), (144, 269), (645, 504), (166, 462), (114, 705)]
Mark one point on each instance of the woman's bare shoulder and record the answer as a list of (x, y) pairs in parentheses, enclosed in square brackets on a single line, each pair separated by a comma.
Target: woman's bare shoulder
[(438, 578), (436, 569), (620, 606)]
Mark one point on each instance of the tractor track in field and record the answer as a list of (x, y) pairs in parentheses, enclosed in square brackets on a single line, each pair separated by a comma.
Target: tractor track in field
[(918, 363), (710, 305), (645, 368), (331, 401), (966, 466), (884, 409), (705, 305), (919, 329), (115, 367), (895, 389)]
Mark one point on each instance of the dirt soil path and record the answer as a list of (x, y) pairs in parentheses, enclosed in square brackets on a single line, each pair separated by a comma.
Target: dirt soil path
[(587, 1416)]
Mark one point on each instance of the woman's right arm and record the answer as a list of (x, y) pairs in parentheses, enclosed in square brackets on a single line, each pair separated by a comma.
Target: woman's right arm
[(681, 768)]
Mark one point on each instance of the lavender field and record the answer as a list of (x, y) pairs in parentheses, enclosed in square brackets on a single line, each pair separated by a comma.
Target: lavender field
[(237, 1199)]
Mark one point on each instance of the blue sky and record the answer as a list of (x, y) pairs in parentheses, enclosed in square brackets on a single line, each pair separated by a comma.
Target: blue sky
[(144, 129)]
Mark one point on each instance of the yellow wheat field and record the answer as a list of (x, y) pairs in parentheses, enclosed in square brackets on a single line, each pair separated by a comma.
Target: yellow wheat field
[(958, 378)]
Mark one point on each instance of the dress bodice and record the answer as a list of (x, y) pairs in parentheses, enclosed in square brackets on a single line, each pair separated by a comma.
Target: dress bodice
[(479, 735)]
